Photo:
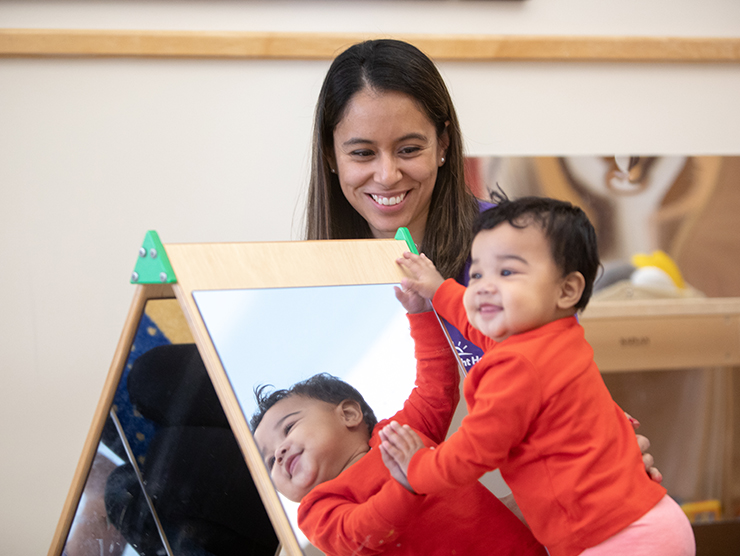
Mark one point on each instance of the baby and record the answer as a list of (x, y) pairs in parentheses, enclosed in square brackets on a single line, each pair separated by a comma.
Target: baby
[(319, 441), (538, 408)]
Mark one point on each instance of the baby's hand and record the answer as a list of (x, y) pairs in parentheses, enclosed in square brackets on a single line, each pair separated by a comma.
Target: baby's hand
[(425, 279), (399, 444), (392, 465), (412, 301)]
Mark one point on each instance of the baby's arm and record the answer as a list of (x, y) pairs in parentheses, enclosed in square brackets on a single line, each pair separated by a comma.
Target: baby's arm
[(431, 404), (425, 279), (337, 523), (506, 403), (398, 446)]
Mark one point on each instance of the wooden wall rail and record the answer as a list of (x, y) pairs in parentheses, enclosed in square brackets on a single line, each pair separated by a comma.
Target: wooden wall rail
[(324, 46)]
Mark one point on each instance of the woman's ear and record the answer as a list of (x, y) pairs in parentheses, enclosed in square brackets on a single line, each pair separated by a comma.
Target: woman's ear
[(350, 413), (571, 290)]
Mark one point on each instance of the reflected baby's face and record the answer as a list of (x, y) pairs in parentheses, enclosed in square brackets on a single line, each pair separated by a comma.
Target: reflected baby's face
[(305, 442)]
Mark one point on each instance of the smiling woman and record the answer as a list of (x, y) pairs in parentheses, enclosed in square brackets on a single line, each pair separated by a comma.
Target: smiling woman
[(387, 152)]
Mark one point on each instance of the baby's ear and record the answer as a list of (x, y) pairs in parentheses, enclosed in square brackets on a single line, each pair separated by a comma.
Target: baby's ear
[(571, 290), (350, 412)]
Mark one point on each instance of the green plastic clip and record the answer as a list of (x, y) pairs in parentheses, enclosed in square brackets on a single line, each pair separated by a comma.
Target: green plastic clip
[(404, 235), (153, 266)]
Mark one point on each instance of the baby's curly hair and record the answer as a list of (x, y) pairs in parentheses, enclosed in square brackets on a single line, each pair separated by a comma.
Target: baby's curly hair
[(570, 233), (323, 386)]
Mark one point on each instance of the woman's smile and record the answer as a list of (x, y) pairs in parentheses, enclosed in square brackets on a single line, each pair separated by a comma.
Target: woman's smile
[(386, 200)]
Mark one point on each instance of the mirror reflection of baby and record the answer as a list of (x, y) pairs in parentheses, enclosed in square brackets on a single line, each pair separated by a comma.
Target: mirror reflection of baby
[(538, 408), (319, 440)]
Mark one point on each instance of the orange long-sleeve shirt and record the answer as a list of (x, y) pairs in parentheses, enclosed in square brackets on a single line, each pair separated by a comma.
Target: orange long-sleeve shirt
[(539, 410), (365, 511)]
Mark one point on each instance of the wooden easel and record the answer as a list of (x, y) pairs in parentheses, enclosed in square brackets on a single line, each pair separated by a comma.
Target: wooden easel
[(199, 267)]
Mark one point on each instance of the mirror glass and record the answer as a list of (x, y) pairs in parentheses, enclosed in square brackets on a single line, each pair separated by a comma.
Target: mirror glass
[(164, 459), (280, 336)]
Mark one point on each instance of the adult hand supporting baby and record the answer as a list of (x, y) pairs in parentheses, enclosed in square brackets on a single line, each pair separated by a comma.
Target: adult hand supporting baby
[(398, 446), (644, 444)]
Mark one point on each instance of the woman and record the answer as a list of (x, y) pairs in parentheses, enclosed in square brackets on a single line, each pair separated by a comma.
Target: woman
[(378, 75)]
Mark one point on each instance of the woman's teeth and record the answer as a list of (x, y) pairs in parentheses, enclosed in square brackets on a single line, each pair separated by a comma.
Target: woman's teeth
[(388, 201)]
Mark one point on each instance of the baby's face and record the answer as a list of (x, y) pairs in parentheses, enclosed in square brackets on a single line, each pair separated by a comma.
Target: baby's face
[(304, 442), (515, 284)]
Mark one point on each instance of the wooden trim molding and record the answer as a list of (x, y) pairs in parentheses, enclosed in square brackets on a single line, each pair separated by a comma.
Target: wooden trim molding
[(325, 46)]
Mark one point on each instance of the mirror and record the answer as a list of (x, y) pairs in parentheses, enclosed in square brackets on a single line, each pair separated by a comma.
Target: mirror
[(165, 457), (280, 336)]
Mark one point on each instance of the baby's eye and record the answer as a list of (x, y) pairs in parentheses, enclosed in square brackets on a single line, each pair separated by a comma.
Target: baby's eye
[(270, 462), (506, 272), (287, 428), (475, 275)]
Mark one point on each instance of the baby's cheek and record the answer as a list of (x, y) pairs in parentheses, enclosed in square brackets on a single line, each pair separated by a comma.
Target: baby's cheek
[(466, 299), (469, 307)]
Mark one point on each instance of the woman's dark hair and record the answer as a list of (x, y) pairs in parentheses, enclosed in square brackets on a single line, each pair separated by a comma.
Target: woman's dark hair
[(324, 387), (571, 235), (390, 65)]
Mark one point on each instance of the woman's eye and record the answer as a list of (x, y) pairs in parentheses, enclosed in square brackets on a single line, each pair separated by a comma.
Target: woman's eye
[(362, 153), (410, 150)]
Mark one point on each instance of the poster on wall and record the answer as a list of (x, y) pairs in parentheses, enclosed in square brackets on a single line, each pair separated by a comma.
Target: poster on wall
[(682, 207)]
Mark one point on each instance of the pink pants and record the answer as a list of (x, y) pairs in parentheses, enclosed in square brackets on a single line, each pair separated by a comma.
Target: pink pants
[(663, 531)]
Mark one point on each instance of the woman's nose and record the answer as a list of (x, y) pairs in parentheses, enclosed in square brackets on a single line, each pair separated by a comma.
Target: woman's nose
[(387, 173)]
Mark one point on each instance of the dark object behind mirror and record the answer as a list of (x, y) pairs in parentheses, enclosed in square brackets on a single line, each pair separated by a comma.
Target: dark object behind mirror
[(166, 432), (193, 471)]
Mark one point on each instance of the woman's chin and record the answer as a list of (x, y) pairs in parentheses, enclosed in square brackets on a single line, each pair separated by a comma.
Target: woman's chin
[(387, 228)]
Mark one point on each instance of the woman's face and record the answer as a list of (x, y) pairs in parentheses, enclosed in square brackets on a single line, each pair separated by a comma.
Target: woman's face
[(387, 154)]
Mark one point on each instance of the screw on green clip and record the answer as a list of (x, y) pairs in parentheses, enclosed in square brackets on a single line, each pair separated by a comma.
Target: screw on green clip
[(153, 266), (404, 235)]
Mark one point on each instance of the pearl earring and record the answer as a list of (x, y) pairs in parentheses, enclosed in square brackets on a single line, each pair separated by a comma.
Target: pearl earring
[(443, 160)]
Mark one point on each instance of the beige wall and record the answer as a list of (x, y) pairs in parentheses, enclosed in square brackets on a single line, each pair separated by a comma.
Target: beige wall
[(94, 152)]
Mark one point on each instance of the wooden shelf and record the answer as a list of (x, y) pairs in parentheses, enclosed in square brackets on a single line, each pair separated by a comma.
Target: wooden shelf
[(664, 333)]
